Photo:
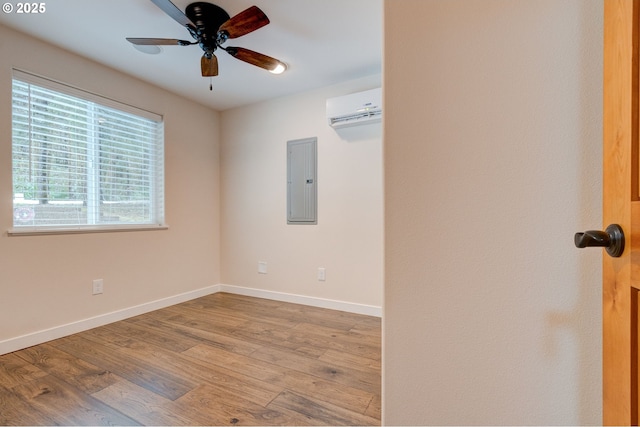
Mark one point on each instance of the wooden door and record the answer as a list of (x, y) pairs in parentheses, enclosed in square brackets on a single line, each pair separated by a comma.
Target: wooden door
[(621, 205)]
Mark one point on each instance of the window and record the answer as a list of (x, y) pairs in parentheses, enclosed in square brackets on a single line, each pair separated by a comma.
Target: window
[(83, 162)]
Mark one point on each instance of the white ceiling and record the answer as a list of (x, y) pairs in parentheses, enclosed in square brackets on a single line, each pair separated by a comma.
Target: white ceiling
[(323, 42)]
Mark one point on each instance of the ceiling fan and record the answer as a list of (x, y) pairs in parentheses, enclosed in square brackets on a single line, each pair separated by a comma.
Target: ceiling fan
[(211, 26)]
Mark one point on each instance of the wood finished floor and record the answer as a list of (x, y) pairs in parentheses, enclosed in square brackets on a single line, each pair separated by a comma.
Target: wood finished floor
[(218, 360)]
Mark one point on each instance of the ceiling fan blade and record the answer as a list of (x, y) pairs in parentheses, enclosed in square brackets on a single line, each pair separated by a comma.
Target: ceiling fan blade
[(173, 11), (158, 42), (255, 58), (209, 66), (245, 22)]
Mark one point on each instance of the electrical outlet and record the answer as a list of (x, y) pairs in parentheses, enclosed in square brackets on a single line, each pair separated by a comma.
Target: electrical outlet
[(262, 267), (98, 286), (322, 274)]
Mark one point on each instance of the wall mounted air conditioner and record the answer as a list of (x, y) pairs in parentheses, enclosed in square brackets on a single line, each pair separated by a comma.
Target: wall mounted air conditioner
[(355, 109)]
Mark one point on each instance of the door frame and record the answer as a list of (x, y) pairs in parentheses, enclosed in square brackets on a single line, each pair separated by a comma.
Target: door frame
[(621, 205)]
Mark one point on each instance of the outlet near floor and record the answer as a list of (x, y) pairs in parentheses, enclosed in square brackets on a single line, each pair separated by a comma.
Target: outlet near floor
[(322, 274), (98, 286)]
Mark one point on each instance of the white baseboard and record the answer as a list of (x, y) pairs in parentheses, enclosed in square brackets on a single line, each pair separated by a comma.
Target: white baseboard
[(24, 341), (350, 307)]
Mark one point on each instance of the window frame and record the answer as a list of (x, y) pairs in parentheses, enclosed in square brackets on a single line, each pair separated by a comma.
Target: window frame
[(156, 186)]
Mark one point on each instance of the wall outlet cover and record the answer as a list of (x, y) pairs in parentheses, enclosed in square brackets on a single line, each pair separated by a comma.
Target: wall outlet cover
[(262, 267), (98, 286)]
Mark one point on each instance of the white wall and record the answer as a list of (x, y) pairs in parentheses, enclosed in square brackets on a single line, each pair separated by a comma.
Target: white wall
[(492, 163), (45, 281), (347, 240)]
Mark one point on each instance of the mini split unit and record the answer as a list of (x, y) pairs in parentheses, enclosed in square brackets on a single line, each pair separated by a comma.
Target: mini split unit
[(355, 109)]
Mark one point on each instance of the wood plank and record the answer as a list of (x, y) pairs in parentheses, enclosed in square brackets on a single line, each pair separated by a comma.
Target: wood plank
[(254, 368), (76, 372), (145, 406), (247, 330), (369, 328), (15, 411), (332, 318), (106, 337), (223, 410), (347, 337), (200, 372), (351, 361), (225, 340), (351, 377), (161, 337), (343, 341), (267, 334), (309, 351), (289, 311), (68, 406), (225, 299), (15, 371), (208, 319), (351, 398), (256, 313), (320, 413), (165, 384), (375, 408)]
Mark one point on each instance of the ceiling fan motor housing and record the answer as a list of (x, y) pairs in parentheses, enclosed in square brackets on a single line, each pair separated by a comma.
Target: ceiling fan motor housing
[(207, 18)]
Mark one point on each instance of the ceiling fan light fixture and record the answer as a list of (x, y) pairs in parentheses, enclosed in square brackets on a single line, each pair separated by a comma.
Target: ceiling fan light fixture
[(148, 49), (280, 68)]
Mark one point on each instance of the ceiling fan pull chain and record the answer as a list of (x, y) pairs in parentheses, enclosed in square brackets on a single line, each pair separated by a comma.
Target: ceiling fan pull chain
[(210, 84)]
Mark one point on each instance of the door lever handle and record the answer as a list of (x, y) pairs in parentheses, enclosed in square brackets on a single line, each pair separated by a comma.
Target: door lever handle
[(612, 239), (592, 238)]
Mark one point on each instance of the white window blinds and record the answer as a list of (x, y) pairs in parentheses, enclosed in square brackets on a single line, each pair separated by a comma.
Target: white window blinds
[(82, 161)]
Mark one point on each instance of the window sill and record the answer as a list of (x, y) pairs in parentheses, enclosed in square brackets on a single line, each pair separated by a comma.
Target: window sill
[(35, 231)]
